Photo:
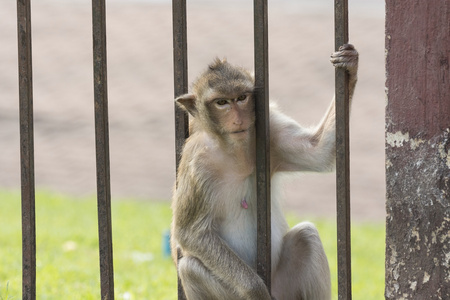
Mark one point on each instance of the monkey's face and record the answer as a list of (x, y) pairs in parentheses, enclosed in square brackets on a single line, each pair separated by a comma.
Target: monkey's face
[(224, 100), (232, 117)]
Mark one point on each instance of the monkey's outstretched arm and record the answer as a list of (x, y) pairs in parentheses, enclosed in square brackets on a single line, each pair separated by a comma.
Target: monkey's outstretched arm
[(311, 149)]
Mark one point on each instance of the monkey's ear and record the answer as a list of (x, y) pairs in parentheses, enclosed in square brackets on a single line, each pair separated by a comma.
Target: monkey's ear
[(187, 102)]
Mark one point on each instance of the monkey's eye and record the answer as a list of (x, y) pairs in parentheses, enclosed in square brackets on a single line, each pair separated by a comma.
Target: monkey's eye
[(221, 102), (241, 97)]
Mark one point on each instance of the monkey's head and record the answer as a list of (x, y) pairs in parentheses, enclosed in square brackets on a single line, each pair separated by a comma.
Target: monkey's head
[(221, 101)]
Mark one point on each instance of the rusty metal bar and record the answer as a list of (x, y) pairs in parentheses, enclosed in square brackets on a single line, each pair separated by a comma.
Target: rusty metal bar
[(180, 87), (262, 140), (180, 73), (180, 291), (26, 150), (102, 150), (342, 157)]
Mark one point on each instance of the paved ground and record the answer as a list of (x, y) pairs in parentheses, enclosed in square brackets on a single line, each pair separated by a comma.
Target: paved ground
[(141, 92)]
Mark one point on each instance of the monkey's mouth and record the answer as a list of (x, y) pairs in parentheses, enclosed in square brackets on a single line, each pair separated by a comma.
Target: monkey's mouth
[(239, 131)]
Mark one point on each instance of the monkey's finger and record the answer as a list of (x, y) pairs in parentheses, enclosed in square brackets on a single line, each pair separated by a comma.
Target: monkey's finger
[(346, 66), (347, 47), (344, 59), (345, 53)]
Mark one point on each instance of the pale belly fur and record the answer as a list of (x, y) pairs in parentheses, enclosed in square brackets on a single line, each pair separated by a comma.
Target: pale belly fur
[(237, 225)]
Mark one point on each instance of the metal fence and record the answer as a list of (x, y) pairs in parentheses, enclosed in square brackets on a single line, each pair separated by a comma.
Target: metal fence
[(261, 58), (181, 123)]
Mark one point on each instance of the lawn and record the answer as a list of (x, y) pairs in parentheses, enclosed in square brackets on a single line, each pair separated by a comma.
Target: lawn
[(67, 250)]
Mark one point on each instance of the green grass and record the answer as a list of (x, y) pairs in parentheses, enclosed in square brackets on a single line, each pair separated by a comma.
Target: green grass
[(67, 250)]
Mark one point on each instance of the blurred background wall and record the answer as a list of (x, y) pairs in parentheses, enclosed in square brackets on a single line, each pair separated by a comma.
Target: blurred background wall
[(141, 92)]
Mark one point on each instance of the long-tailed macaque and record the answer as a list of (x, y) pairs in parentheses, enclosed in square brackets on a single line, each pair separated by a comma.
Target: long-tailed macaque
[(214, 202)]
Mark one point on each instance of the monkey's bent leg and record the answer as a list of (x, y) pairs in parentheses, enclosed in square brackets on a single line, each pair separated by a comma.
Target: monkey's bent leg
[(303, 271), (199, 283)]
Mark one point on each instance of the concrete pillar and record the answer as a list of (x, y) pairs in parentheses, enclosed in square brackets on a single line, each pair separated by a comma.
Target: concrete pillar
[(418, 149)]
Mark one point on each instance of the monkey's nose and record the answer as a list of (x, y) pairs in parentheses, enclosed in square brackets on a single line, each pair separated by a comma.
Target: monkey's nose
[(238, 122)]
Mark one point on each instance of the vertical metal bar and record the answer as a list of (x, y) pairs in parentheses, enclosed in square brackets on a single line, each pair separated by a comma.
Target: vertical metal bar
[(102, 150), (26, 150), (262, 140), (180, 88), (342, 157), (180, 73), (181, 295)]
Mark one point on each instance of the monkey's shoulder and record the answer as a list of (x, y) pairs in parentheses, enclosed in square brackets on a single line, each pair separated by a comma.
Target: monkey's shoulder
[(203, 153)]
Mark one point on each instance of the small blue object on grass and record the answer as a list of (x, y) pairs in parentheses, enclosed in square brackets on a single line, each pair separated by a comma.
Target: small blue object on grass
[(166, 243)]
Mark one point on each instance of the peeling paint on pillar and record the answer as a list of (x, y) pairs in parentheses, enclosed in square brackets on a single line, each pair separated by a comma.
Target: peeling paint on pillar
[(417, 149)]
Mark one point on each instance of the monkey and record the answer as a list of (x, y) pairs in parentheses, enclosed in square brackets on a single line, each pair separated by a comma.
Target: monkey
[(214, 198)]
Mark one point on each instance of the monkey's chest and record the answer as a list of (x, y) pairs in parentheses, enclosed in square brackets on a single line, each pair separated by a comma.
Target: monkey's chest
[(240, 235), (238, 224), (237, 221)]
